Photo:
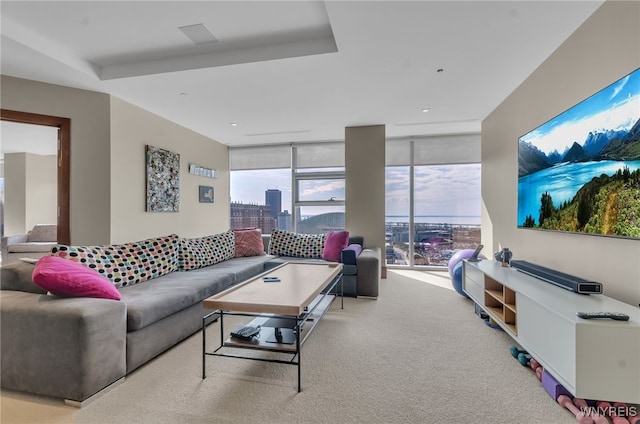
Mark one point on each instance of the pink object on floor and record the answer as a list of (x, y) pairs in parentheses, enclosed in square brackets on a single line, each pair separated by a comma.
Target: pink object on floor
[(619, 420), (597, 419), (614, 417), (534, 364), (565, 401)]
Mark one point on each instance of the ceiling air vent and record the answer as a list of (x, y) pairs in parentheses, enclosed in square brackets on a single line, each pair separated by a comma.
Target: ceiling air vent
[(199, 34)]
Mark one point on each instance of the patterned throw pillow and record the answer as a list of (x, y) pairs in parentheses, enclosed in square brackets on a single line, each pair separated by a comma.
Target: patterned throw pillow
[(249, 242), (126, 264), (296, 245), (204, 251)]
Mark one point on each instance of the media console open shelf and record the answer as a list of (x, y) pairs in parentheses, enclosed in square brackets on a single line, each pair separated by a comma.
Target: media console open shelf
[(592, 359), (501, 300)]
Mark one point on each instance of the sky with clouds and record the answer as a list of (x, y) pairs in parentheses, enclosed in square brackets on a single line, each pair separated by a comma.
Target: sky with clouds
[(616, 107), (440, 190)]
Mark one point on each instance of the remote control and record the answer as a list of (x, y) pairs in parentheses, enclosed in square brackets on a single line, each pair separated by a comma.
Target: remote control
[(270, 279), (618, 316)]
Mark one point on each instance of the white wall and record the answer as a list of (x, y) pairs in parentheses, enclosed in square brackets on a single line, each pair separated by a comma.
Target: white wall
[(132, 129), (41, 190), (31, 191), (107, 185), (90, 165), (15, 202), (605, 48)]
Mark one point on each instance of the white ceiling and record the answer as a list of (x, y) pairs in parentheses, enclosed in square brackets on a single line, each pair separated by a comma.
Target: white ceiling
[(293, 70)]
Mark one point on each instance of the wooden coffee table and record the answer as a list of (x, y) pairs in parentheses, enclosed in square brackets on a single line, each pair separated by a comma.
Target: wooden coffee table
[(288, 310)]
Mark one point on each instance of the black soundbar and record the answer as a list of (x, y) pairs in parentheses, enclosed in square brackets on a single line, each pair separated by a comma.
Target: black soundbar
[(557, 278)]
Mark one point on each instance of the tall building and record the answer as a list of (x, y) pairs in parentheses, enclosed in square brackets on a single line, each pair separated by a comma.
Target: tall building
[(252, 216), (284, 221), (273, 199)]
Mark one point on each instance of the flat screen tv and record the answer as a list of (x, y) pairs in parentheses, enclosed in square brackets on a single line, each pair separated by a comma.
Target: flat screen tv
[(580, 171)]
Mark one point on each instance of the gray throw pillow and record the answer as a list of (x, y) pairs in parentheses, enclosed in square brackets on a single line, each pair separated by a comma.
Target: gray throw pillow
[(17, 276)]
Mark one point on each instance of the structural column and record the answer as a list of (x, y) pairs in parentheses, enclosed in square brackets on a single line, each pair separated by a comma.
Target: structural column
[(365, 183)]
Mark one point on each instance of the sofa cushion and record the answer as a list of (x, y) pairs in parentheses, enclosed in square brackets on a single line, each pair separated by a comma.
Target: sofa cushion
[(17, 276), (296, 245), (333, 245), (154, 300), (126, 264), (43, 232), (31, 247), (70, 279), (205, 251), (249, 242)]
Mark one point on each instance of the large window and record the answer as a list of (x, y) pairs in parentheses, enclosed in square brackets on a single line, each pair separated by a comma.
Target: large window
[(432, 193), (261, 198), (432, 199), (296, 187), (398, 211)]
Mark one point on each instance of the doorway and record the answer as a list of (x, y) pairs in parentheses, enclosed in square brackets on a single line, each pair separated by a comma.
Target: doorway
[(64, 163)]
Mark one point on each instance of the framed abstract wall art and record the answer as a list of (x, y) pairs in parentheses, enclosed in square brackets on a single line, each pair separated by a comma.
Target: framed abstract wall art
[(163, 180)]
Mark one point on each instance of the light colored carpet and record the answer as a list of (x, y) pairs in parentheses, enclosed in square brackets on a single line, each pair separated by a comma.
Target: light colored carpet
[(417, 354)]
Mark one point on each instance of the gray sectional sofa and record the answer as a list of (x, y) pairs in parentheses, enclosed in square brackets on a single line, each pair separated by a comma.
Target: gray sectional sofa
[(361, 266), (72, 348), (35, 244)]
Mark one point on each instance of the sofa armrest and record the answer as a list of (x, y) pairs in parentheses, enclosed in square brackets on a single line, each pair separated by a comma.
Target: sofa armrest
[(8, 240), (349, 254), (368, 278), (20, 238), (65, 348)]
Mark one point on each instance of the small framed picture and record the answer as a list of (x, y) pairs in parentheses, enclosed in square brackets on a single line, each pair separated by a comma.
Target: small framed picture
[(206, 194)]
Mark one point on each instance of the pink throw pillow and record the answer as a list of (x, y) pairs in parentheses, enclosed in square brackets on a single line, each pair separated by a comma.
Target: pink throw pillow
[(66, 278), (249, 242), (333, 245)]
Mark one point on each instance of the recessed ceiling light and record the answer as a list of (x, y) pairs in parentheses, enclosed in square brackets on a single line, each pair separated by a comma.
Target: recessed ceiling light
[(440, 70), (426, 110), (233, 124)]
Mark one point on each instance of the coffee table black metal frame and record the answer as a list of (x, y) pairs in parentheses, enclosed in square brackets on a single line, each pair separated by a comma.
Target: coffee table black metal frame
[(302, 326)]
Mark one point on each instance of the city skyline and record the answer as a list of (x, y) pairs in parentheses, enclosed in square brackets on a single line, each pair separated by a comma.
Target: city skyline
[(273, 199), (439, 190)]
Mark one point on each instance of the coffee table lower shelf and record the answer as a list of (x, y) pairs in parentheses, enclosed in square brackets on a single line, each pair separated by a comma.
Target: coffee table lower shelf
[(302, 325)]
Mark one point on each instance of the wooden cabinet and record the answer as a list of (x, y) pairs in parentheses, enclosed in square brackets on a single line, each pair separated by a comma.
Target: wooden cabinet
[(501, 300), (592, 359)]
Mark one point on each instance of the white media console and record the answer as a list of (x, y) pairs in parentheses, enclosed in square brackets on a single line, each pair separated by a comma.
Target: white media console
[(593, 359)]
